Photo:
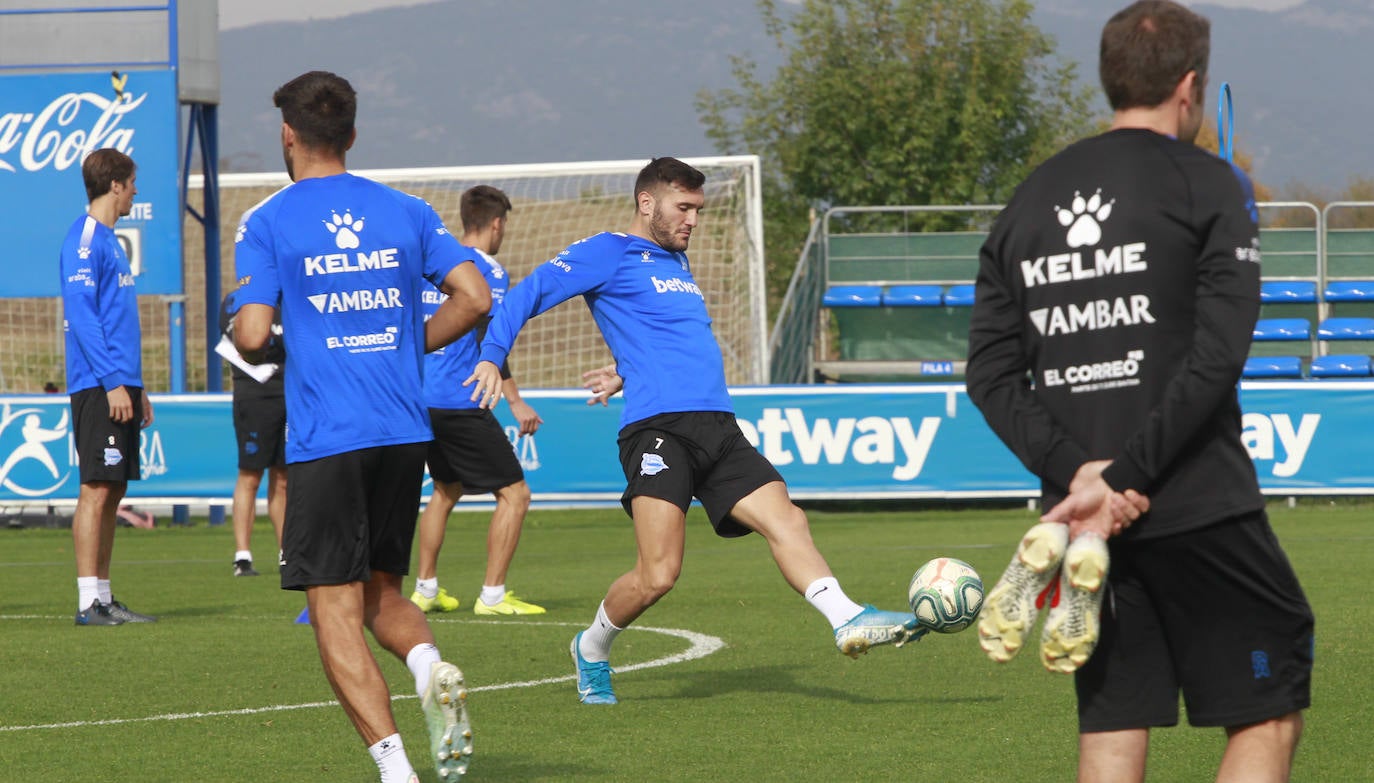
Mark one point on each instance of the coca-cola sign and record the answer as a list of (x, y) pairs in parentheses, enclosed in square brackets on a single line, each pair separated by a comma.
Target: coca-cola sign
[(62, 133), (49, 124)]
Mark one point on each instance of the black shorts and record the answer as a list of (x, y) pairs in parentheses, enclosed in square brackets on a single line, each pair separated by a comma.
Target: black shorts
[(351, 514), (678, 456), (1216, 614), (106, 450), (260, 426), (470, 447)]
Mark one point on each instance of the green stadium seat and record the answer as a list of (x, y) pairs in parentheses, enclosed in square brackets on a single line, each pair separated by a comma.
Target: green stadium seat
[(1341, 366), (1272, 367)]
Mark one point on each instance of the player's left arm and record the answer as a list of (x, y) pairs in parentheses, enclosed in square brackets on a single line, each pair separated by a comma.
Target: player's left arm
[(577, 270), (449, 266), (259, 288), (81, 310), (1227, 305), (469, 300)]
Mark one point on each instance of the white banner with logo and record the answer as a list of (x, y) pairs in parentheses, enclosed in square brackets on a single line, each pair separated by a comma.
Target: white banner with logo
[(829, 442)]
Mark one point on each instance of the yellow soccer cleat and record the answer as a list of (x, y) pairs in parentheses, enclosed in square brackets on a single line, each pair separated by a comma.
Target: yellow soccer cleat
[(442, 602), (509, 605)]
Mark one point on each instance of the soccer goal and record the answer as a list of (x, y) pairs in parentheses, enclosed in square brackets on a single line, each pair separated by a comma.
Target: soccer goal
[(556, 204)]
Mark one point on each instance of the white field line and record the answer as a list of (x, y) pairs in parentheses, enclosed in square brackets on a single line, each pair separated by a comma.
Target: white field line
[(702, 645)]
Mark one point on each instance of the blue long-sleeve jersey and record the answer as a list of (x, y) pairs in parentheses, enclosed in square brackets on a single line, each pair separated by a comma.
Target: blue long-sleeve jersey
[(446, 368), (99, 309), (651, 314)]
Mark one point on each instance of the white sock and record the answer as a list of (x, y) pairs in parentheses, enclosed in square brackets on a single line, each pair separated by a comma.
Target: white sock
[(429, 588), (596, 640), (825, 594), (420, 660), (243, 554), (86, 593), (493, 594), (390, 756), (102, 587)]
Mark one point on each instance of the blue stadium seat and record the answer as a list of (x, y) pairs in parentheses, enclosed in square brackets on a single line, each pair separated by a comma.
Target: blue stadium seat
[(1346, 329), (913, 296), (853, 296), (1341, 366), (1350, 291), (1288, 291), (1276, 329), (959, 296), (1272, 367)]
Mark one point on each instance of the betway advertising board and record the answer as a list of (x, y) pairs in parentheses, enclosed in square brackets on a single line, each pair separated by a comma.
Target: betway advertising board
[(829, 442), (49, 123)]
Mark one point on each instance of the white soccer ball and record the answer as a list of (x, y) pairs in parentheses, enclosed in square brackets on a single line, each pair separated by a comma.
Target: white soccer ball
[(946, 594)]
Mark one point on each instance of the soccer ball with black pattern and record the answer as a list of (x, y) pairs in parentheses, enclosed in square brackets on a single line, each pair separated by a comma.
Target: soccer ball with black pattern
[(946, 594)]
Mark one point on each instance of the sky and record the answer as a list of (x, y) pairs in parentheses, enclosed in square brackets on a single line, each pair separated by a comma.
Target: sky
[(242, 13)]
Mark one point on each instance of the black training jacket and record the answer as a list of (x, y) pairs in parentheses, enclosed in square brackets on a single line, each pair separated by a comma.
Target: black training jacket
[(1116, 297)]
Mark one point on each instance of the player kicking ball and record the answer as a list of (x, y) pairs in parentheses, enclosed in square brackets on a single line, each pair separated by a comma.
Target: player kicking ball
[(678, 437)]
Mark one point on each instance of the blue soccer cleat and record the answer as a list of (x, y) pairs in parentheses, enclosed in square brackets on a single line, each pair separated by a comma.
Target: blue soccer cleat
[(593, 677), (873, 627)]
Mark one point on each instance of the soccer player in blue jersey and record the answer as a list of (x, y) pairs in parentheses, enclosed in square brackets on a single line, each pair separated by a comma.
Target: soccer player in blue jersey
[(104, 378), (470, 452), (345, 260), (678, 437)]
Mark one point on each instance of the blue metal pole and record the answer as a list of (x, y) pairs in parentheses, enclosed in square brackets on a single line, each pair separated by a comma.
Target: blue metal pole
[(176, 339), (209, 164)]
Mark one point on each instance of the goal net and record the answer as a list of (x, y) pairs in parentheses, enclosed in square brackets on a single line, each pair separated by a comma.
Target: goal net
[(555, 204)]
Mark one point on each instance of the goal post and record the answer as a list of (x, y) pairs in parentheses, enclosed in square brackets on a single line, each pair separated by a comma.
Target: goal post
[(554, 205)]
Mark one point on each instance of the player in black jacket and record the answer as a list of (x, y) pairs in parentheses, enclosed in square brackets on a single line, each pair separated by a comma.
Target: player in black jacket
[(259, 410), (1115, 300)]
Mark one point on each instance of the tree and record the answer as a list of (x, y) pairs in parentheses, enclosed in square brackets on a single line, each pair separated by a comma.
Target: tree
[(894, 102)]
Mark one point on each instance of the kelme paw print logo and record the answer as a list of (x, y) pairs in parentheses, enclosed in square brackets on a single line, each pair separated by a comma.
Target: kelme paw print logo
[(345, 229), (1084, 218)]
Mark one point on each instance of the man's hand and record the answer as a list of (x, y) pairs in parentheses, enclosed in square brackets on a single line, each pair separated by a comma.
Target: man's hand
[(147, 410), (487, 391), (604, 382), (1093, 505), (525, 416), (121, 404)]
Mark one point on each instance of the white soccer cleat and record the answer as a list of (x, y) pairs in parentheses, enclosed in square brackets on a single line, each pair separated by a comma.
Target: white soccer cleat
[(446, 716), (1072, 629), (1009, 611)]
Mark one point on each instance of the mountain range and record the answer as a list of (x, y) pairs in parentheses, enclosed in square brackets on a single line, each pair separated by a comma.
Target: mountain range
[(525, 81)]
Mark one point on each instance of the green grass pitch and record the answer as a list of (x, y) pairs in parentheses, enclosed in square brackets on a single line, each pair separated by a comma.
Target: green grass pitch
[(227, 688)]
